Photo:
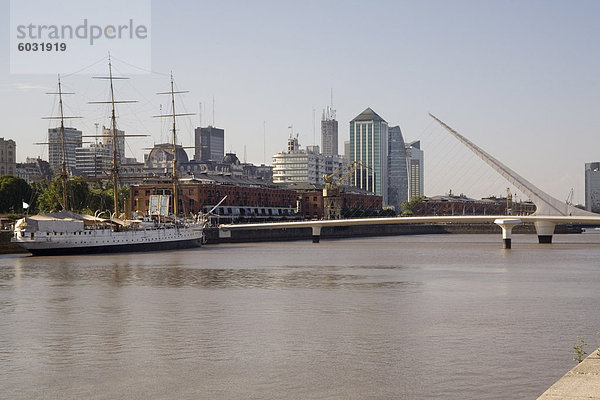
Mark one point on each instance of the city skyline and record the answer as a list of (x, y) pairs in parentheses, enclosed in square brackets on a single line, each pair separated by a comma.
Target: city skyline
[(518, 79)]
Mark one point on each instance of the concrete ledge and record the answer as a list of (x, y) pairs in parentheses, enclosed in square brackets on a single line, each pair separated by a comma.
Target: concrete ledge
[(582, 382)]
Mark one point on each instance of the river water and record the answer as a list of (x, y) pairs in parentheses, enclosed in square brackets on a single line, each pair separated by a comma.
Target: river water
[(406, 317)]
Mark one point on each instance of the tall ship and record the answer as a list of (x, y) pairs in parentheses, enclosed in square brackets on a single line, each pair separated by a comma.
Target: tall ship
[(66, 232)]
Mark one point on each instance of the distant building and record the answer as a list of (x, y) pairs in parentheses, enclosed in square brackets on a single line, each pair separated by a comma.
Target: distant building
[(297, 165), (210, 144), (397, 169), (8, 156), (93, 161), (34, 170), (243, 200), (369, 145), (592, 187), (107, 140), (312, 203), (158, 164), (329, 133), (160, 159), (347, 149), (451, 204), (415, 159), (72, 142)]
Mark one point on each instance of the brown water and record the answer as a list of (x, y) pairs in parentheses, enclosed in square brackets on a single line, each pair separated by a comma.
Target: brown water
[(409, 317)]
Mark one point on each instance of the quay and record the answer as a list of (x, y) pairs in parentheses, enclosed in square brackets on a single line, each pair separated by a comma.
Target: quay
[(582, 382)]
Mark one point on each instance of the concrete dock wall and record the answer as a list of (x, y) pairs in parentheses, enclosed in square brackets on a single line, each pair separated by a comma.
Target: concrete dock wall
[(582, 382)]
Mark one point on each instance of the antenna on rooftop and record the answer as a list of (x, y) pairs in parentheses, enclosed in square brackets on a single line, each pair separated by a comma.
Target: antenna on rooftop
[(331, 103), (314, 128), (200, 114)]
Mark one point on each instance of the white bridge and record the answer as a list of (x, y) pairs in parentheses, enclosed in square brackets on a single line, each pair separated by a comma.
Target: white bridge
[(549, 210)]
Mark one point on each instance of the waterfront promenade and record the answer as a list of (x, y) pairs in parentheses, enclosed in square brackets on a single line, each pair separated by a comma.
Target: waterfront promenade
[(582, 382)]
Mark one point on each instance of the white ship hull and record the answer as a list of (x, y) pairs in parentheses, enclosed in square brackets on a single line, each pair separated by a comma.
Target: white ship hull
[(54, 236), (107, 241)]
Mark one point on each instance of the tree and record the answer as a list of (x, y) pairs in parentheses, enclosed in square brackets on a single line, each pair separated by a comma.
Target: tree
[(78, 194), (100, 199), (13, 192), (408, 206)]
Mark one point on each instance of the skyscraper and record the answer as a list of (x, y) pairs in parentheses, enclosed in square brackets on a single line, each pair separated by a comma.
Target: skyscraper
[(369, 145), (415, 159), (329, 133), (210, 144), (72, 141), (592, 187), (397, 169)]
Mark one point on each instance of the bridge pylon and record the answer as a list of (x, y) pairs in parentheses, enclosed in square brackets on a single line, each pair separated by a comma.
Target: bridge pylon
[(545, 204)]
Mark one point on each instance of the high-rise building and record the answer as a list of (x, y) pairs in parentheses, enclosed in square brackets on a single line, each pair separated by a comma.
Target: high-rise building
[(72, 141), (415, 159), (397, 169), (298, 165), (592, 187), (369, 145), (329, 133), (8, 157), (210, 144)]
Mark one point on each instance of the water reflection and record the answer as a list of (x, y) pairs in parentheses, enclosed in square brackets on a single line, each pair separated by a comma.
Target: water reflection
[(66, 272), (180, 271)]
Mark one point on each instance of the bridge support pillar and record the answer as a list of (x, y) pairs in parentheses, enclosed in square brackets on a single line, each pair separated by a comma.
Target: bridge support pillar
[(545, 230), (316, 234), (507, 224)]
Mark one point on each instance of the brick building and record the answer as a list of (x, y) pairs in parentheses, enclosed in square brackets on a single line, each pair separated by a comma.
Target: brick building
[(311, 202), (462, 205), (242, 202)]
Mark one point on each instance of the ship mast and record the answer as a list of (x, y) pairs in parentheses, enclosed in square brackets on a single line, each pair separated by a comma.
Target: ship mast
[(172, 93), (114, 134), (63, 171), (113, 127), (175, 180), (64, 176)]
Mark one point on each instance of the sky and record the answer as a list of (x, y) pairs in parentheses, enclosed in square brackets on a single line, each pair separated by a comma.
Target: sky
[(518, 78)]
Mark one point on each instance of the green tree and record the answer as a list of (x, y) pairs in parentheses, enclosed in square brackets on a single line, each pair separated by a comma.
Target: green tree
[(408, 206), (13, 192), (37, 189), (78, 194), (100, 199)]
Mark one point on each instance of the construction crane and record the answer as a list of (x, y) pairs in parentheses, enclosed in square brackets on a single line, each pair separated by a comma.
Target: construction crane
[(332, 202)]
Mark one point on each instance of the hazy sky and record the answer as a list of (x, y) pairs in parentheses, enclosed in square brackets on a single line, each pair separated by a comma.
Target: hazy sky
[(519, 78)]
